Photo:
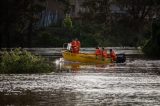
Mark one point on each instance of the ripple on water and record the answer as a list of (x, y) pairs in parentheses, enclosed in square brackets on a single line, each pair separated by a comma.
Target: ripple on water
[(132, 83)]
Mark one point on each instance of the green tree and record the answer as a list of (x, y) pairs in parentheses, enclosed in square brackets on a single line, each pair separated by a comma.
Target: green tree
[(152, 46), (18, 17), (122, 18), (67, 22), (98, 10), (139, 12)]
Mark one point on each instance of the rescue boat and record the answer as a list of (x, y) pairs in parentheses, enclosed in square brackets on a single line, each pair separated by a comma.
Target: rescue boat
[(85, 58)]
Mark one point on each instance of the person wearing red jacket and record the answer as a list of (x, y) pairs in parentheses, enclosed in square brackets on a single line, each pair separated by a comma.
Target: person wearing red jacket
[(73, 46), (104, 54), (113, 55), (98, 52), (78, 45)]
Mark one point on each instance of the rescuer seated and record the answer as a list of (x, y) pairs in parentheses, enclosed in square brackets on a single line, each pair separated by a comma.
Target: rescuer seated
[(75, 45), (98, 52), (113, 55), (104, 54), (78, 45)]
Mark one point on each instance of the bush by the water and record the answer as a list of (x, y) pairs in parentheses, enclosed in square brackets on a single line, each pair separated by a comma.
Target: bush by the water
[(152, 47), (22, 61)]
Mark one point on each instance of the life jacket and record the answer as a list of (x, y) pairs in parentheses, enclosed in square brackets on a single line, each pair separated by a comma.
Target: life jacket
[(78, 45), (98, 52), (113, 55), (73, 45), (104, 54)]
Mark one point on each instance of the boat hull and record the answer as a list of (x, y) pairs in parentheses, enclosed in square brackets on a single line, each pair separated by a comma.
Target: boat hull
[(85, 58)]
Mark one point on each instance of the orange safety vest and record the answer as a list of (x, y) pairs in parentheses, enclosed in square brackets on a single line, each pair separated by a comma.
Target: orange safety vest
[(98, 52), (104, 54), (78, 44), (73, 45), (113, 55)]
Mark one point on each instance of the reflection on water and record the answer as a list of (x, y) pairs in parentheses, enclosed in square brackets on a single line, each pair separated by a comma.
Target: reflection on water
[(62, 65), (136, 82), (129, 66)]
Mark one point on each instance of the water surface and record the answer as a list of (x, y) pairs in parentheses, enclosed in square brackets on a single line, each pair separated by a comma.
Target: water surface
[(134, 83)]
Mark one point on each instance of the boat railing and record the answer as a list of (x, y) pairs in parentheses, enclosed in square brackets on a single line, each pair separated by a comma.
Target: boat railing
[(64, 48)]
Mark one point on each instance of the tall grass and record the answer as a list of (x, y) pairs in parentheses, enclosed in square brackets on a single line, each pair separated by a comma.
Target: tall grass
[(22, 61)]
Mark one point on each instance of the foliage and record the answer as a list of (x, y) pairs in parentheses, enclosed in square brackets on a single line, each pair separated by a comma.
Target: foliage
[(19, 18), (152, 47), (66, 4), (22, 61), (54, 35), (122, 22), (68, 22), (99, 11), (57, 36), (138, 12), (126, 25)]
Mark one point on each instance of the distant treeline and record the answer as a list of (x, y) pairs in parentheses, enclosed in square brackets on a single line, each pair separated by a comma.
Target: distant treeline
[(105, 23)]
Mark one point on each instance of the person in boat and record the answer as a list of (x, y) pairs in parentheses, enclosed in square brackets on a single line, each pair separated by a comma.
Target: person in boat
[(78, 45), (98, 52), (104, 53), (73, 46), (113, 55)]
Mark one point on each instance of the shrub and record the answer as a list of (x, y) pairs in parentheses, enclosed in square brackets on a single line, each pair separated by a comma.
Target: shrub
[(22, 61), (67, 22), (152, 47)]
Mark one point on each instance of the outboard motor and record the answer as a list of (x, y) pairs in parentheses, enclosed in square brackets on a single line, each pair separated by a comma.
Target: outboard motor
[(121, 58)]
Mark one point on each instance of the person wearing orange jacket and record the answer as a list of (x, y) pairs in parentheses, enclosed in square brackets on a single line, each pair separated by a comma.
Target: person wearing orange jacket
[(78, 45), (113, 55), (104, 54), (73, 46), (98, 52)]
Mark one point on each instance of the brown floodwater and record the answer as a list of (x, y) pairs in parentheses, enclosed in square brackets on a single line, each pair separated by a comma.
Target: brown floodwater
[(133, 83)]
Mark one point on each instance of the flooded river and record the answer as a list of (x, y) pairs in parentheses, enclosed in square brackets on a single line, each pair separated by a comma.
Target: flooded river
[(133, 83)]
